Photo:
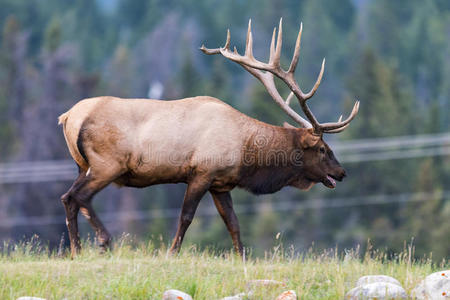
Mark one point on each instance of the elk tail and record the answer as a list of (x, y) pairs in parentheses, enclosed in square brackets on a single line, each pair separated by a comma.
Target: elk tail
[(63, 118)]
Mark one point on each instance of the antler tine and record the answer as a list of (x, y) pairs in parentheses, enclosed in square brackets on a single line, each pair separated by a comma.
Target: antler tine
[(277, 56), (249, 41), (217, 50), (227, 43), (330, 127), (272, 46), (289, 98), (294, 61), (316, 85), (338, 129)]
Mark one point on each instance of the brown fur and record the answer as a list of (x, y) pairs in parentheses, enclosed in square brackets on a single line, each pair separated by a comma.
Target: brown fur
[(200, 141)]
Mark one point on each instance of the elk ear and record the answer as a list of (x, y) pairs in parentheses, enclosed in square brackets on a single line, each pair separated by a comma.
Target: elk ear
[(309, 140), (287, 125)]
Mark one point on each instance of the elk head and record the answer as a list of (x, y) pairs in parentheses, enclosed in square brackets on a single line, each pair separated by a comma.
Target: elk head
[(319, 162)]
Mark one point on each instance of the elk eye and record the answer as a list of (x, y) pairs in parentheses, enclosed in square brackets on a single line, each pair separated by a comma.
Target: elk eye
[(322, 149)]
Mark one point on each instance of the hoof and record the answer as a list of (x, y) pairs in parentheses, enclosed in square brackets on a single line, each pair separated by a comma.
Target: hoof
[(103, 250), (104, 247), (173, 251)]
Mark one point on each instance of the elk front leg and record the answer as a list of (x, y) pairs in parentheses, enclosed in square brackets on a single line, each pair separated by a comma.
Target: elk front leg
[(224, 205), (194, 193)]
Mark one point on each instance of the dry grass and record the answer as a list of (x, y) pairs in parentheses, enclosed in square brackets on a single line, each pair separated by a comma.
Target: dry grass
[(140, 271)]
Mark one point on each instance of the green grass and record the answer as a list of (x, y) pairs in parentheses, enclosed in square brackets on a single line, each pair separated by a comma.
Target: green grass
[(140, 271)]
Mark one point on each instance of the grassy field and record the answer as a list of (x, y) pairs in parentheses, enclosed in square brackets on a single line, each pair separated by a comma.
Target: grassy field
[(140, 271)]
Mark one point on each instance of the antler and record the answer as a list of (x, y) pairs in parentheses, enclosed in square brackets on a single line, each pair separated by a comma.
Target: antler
[(265, 71)]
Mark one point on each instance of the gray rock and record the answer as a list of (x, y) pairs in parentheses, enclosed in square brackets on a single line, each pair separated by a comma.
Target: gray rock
[(378, 291), (434, 286), (419, 292), (176, 295), (376, 278)]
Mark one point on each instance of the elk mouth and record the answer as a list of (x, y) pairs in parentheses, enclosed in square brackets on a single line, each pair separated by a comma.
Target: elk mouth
[(329, 182)]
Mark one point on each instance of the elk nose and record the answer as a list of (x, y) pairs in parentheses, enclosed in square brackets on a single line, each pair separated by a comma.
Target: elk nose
[(340, 174)]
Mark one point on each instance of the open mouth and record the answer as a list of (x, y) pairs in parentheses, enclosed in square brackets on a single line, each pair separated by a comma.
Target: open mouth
[(329, 182)]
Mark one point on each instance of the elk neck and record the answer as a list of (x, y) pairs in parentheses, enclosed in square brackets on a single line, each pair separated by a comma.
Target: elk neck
[(270, 159)]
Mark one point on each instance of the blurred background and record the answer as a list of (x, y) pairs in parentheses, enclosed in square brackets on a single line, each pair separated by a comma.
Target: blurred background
[(393, 56)]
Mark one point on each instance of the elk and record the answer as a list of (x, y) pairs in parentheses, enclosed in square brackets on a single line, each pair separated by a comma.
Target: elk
[(200, 141)]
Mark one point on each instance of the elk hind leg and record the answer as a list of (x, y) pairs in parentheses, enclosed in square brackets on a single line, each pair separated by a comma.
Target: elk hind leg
[(101, 233), (72, 208), (94, 182)]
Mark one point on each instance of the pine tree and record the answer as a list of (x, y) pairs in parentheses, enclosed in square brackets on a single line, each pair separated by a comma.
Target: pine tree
[(13, 60), (119, 75), (189, 80), (386, 110), (425, 218), (386, 102)]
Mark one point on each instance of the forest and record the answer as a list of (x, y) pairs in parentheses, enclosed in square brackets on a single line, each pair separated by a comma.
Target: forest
[(392, 56)]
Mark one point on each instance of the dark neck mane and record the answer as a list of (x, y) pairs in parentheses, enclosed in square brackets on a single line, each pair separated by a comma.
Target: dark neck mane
[(268, 160)]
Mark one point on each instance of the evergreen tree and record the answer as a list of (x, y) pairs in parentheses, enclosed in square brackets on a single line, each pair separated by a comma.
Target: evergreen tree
[(219, 81), (387, 105), (189, 80), (421, 60), (425, 218), (13, 60), (386, 110), (324, 35), (119, 75)]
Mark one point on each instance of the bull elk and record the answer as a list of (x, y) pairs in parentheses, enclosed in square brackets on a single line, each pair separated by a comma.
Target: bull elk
[(200, 141)]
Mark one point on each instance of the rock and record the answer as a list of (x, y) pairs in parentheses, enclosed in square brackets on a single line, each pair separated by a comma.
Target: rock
[(175, 295), (288, 295), (264, 283), (376, 278), (240, 296), (29, 298), (419, 291), (378, 291), (434, 286)]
